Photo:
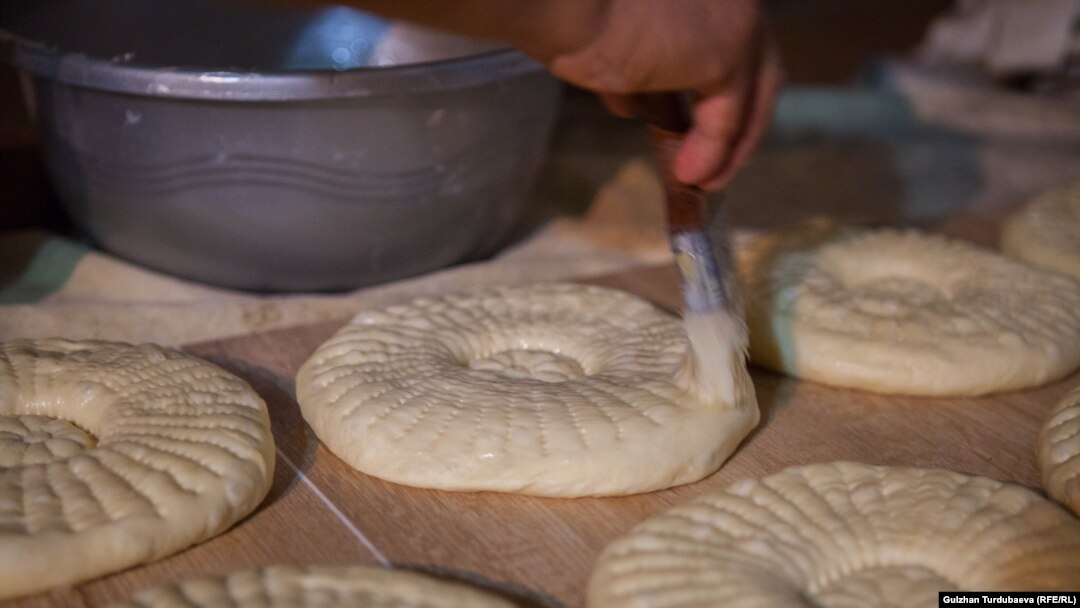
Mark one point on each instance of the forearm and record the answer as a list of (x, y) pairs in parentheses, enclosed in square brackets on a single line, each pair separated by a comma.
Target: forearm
[(542, 28)]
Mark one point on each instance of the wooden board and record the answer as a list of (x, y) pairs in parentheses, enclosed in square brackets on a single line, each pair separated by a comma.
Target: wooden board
[(322, 511)]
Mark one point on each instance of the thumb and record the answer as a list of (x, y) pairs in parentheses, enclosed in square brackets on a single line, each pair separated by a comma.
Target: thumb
[(718, 124)]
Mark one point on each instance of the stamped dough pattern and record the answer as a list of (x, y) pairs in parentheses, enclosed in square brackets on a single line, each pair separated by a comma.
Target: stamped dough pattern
[(560, 389), (114, 455), (907, 313), (1059, 452), (317, 587), (842, 535), (1046, 232)]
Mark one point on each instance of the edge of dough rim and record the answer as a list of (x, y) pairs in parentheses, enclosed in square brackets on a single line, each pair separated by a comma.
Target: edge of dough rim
[(174, 450), (322, 586), (841, 534), (1046, 231), (1059, 451), (552, 389), (905, 312)]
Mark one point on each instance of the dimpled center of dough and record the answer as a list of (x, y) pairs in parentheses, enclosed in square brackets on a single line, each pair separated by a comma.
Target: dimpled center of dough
[(894, 296), (28, 440), (883, 587), (542, 365), (863, 271)]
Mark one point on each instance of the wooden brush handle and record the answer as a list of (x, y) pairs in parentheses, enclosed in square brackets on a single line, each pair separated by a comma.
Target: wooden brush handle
[(667, 111), (669, 118)]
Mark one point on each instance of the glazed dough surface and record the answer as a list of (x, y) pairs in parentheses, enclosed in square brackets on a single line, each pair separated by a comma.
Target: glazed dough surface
[(1046, 232), (907, 313), (562, 390), (317, 587), (114, 455), (1059, 452), (841, 535)]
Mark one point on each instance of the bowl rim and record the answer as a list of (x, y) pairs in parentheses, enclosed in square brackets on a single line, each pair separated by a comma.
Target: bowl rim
[(190, 82)]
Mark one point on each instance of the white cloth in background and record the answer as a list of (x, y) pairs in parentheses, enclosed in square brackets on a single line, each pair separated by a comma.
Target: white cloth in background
[(1006, 36), (959, 76)]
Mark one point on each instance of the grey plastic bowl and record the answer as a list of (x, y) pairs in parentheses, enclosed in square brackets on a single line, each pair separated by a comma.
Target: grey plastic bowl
[(317, 150)]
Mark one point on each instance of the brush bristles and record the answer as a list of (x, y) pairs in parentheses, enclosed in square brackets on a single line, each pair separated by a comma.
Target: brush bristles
[(719, 340)]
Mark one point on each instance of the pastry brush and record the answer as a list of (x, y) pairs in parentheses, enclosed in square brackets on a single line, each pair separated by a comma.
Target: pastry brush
[(712, 311)]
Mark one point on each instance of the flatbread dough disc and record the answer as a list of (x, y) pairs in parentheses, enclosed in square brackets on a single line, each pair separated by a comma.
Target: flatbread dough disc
[(317, 587), (560, 390), (1059, 452), (906, 313), (842, 535), (114, 455), (1046, 232)]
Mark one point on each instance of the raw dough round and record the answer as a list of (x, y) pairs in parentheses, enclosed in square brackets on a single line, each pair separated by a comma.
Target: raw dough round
[(317, 587), (842, 535), (1046, 232), (1059, 452), (559, 390), (114, 455), (906, 313)]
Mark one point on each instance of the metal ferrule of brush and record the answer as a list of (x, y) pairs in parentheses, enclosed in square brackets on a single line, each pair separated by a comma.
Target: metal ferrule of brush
[(699, 272)]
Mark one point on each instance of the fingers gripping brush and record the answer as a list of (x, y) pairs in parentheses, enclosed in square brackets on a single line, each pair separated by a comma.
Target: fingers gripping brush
[(712, 312)]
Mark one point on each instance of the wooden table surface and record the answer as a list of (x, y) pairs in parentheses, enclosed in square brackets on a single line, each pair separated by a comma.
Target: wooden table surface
[(322, 511)]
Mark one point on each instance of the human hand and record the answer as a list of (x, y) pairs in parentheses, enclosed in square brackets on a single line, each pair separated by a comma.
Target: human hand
[(720, 50)]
